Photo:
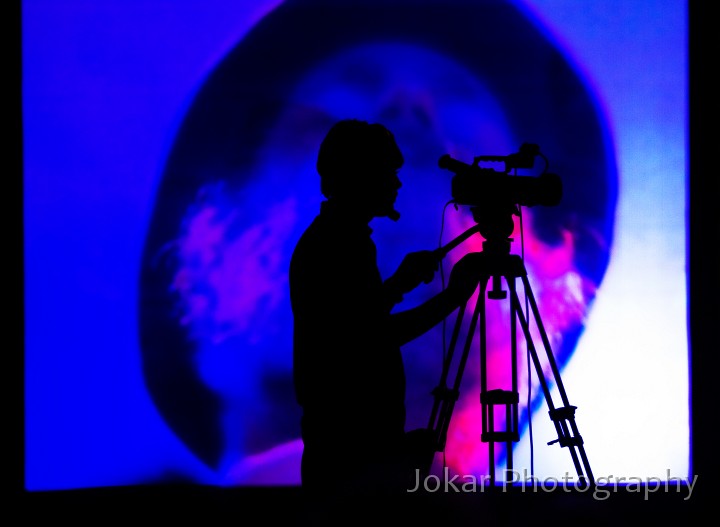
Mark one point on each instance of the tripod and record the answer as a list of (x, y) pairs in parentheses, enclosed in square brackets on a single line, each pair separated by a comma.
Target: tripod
[(498, 263)]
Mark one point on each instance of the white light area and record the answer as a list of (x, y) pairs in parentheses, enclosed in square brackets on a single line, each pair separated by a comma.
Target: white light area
[(629, 376)]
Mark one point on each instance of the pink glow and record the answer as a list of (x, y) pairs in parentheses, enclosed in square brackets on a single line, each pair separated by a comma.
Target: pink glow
[(230, 282)]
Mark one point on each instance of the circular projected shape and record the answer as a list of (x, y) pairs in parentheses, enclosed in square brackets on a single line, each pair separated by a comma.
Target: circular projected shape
[(240, 186)]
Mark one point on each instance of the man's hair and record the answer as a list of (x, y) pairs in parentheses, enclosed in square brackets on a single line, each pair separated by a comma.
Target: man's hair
[(352, 148)]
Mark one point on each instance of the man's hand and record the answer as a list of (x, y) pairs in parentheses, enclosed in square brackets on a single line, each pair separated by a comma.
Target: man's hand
[(465, 277), (415, 268), (464, 280)]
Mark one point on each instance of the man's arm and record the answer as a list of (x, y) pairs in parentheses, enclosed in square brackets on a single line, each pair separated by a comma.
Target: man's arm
[(410, 324), (464, 280), (415, 268)]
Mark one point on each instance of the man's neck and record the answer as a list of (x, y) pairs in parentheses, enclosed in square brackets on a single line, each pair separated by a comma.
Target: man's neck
[(350, 210)]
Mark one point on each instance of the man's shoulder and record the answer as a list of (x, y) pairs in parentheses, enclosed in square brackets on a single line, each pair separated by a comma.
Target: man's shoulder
[(312, 249), (326, 235), (312, 239)]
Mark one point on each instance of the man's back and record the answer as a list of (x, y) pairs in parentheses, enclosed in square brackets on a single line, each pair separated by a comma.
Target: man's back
[(349, 377)]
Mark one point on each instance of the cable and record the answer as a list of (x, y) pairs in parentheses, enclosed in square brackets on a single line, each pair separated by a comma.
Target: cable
[(442, 270), (527, 352), (440, 241), (442, 278), (547, 163), (527, 348)]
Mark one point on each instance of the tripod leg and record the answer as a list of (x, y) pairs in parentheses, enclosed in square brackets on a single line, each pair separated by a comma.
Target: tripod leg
[(442, 386), (445, 397), (562, 417), (441, 413), (461, 365), (498, 397), (488, 416), (558, 381)]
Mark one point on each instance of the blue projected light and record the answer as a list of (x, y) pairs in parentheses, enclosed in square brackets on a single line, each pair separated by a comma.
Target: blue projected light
[(160, 335)]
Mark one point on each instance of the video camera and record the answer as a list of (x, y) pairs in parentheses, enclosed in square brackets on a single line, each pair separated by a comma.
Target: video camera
[(477, 186)]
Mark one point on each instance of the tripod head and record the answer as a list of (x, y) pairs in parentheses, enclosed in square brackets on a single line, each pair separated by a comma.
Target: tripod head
[(495, 224)]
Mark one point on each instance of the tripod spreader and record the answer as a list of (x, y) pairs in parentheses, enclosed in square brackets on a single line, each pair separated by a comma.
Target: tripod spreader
[(558, 416)]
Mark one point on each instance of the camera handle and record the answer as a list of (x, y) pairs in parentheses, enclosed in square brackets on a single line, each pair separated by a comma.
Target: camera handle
[(510, 267), (441, 252)]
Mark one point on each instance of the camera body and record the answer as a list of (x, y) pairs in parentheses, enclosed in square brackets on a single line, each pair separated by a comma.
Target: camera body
[(486, 187)]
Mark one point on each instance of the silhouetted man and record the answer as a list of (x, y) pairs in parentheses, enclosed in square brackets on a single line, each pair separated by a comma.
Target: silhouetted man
[(348, 369)]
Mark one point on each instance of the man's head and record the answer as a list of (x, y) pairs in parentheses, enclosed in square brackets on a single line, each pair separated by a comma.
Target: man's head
[(358, 163)]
